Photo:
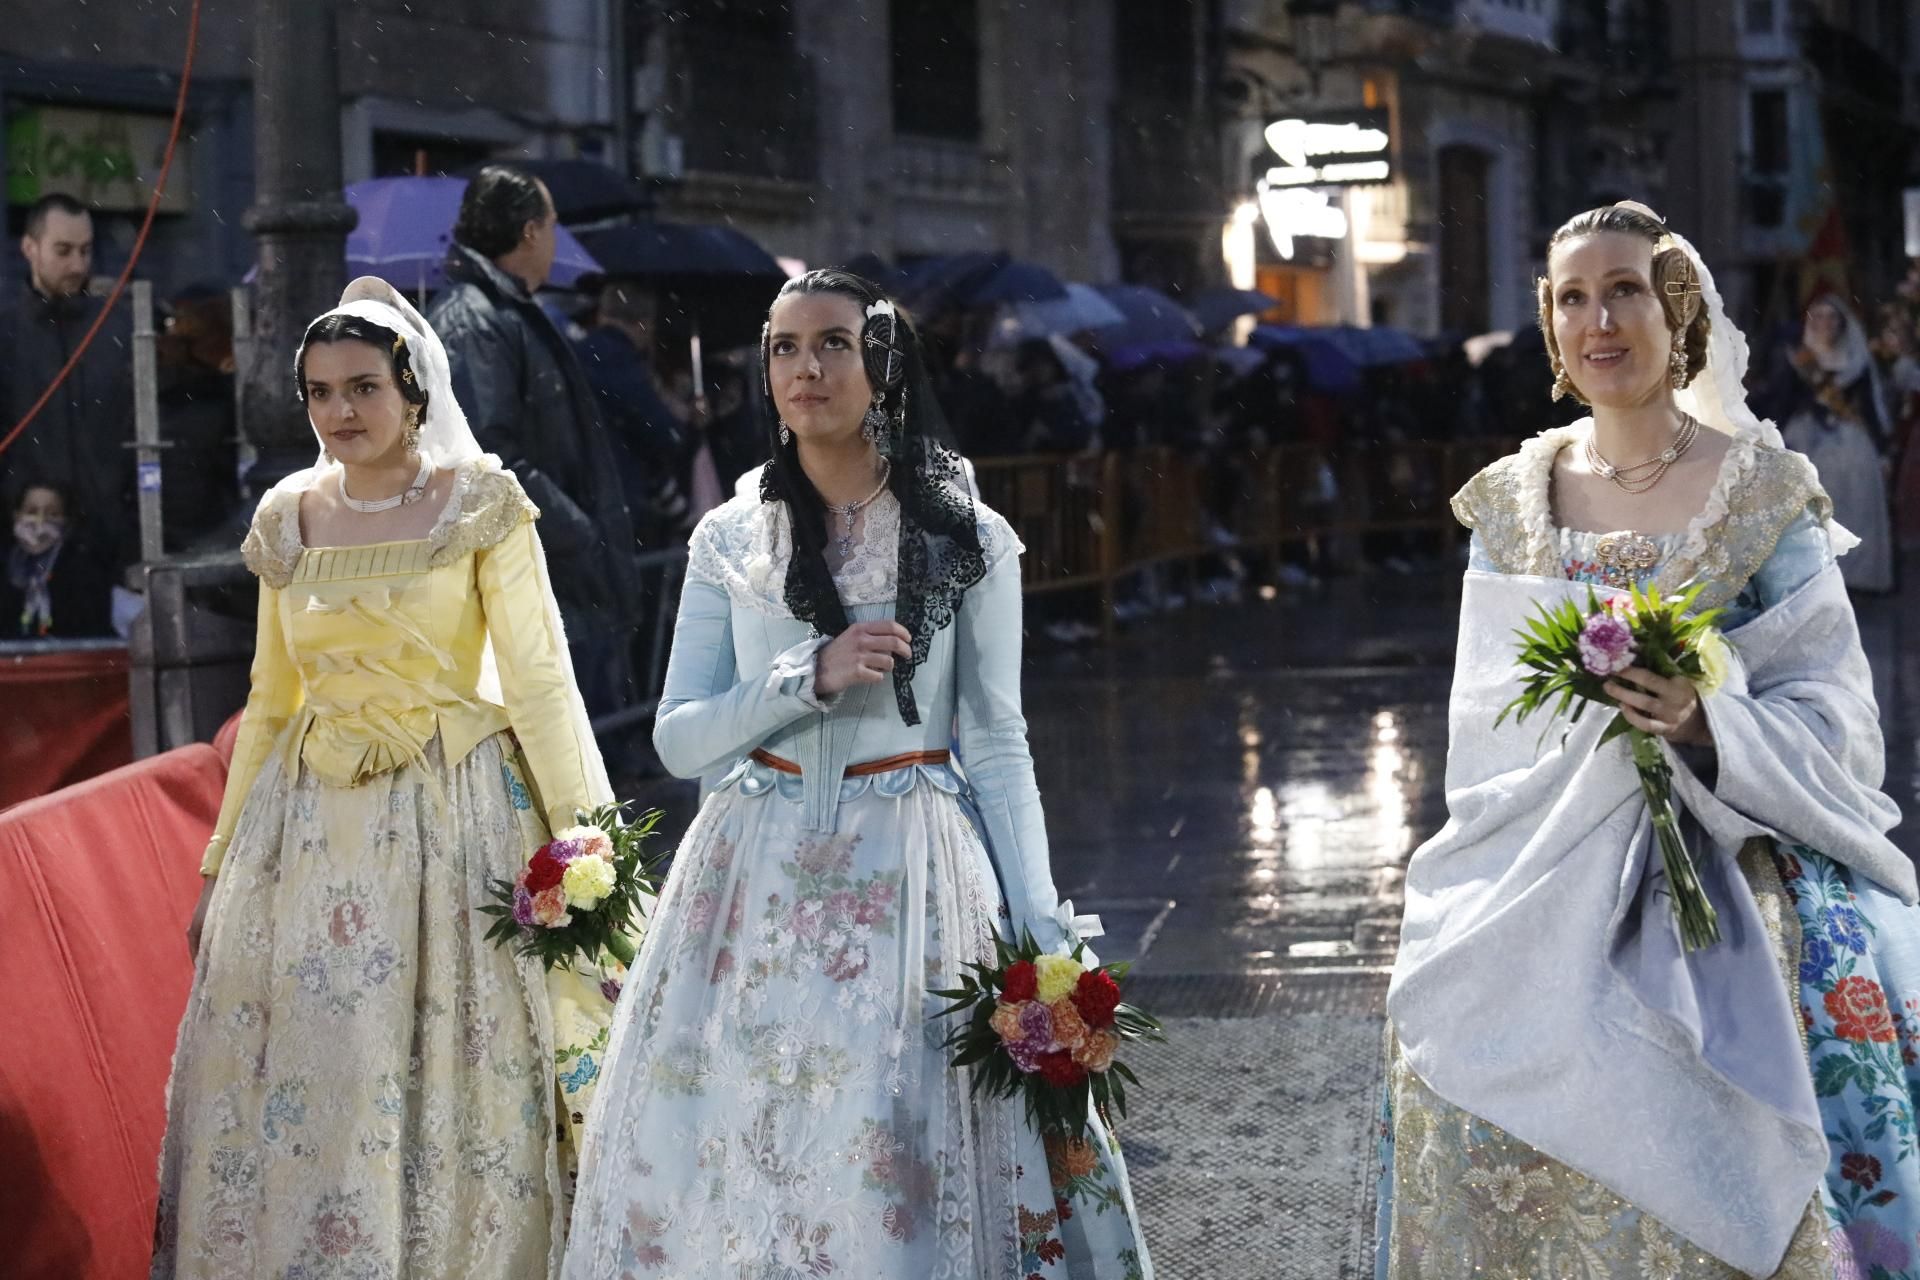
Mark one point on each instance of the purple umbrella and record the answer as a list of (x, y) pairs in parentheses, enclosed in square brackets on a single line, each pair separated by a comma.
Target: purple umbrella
[(406, 225)]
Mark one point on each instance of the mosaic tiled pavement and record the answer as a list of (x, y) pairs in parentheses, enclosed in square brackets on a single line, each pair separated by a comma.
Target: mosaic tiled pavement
[(1235, 790)]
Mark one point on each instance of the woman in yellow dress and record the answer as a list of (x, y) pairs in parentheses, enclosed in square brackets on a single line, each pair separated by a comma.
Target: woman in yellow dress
[(363, 1085)]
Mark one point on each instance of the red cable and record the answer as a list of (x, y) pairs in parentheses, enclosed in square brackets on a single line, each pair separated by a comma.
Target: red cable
[(140, 242)]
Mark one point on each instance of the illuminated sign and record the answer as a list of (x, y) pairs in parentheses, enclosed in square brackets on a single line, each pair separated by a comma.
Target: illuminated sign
[(1344, 150), (1291, 212)]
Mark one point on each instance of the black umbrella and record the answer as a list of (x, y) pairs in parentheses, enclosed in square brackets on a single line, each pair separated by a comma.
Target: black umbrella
[(873, 267), (714, 282), (586, 190), (667, 250)]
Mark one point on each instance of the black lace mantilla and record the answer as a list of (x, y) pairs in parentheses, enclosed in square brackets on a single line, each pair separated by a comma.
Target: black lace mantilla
[(940, 558)]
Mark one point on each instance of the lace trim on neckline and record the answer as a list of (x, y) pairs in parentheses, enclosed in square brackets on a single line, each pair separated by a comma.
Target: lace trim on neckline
[(1535, 493), (744, 546), (475, 515)]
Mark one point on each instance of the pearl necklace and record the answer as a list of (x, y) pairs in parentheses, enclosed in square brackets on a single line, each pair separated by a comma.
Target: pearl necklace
[(851, 509), (408, 498), (1625, 477)]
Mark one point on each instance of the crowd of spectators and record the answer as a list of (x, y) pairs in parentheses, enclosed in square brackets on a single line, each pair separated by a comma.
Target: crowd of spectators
[(579, 393)]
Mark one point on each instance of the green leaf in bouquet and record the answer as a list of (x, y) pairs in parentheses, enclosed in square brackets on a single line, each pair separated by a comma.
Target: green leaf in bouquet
[(1618, 728), (975, 1053)]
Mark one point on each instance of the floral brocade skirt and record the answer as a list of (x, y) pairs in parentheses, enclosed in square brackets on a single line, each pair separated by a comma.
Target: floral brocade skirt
[(363, 1086), (1458, 1196), (777, 1102)]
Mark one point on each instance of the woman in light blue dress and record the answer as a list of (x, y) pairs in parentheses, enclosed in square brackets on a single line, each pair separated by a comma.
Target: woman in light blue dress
[(777, 1102), (1570, 1093)]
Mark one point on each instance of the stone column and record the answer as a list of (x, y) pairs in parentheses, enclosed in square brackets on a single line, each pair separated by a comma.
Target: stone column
[(1704, 191), (299, 220)]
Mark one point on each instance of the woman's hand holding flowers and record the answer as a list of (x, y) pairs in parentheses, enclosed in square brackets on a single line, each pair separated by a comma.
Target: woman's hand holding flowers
[(1667, 707)]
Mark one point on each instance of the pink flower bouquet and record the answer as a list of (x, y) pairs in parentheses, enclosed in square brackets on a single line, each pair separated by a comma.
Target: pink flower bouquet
[(1566, 657)]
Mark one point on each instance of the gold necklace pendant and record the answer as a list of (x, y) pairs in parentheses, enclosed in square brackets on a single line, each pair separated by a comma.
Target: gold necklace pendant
[(1625, 555)]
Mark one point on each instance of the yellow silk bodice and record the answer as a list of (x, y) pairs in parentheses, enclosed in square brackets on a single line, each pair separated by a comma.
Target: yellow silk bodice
[(387, 651), (365, 654)]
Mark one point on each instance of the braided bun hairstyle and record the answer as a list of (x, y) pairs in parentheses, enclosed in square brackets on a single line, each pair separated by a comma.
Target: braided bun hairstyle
[(1675, 281)]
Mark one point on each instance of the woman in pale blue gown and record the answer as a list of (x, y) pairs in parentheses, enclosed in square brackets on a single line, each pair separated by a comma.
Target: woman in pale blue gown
[(777, 1102), (1570, 1093)]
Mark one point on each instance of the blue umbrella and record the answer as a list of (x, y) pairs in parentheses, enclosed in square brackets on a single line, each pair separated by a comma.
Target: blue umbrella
[(976, 280), (1329, 367), (1218, 308), (406, 226), (1151, 318), (1138, 355), (1083, 308), (1380, 345), (1336, 354)]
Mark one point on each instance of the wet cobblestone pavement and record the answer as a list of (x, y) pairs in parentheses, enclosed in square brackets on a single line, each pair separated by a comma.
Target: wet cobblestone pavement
[(1236, 789)]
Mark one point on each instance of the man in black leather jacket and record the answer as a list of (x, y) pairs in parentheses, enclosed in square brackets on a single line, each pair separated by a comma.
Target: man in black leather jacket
[(528, 400), (77, 440)]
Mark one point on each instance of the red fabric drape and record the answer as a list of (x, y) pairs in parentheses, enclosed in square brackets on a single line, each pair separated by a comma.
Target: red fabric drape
[(98, 883), (63, 718)]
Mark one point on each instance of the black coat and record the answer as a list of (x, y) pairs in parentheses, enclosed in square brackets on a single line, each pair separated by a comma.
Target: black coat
[(651, 444), (528, 400), (78, 440)]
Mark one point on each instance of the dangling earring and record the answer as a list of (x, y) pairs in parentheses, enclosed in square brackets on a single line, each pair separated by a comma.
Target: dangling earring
[(328, 455), (1677, 363), (786, 435), (897, 429), (874, 424), (1562, 384), (412, 439)]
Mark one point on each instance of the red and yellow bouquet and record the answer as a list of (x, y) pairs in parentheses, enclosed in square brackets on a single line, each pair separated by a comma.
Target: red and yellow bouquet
[(578, 895), (1049, 1027)]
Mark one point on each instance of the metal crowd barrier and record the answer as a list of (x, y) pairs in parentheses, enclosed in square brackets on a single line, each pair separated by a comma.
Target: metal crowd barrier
[(1090, 521)]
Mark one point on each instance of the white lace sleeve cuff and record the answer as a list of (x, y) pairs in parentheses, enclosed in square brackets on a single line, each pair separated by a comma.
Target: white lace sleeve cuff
[(793, 672)]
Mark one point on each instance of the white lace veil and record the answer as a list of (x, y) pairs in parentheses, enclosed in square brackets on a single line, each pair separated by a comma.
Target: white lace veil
[(1717, 396), (446, 438)]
